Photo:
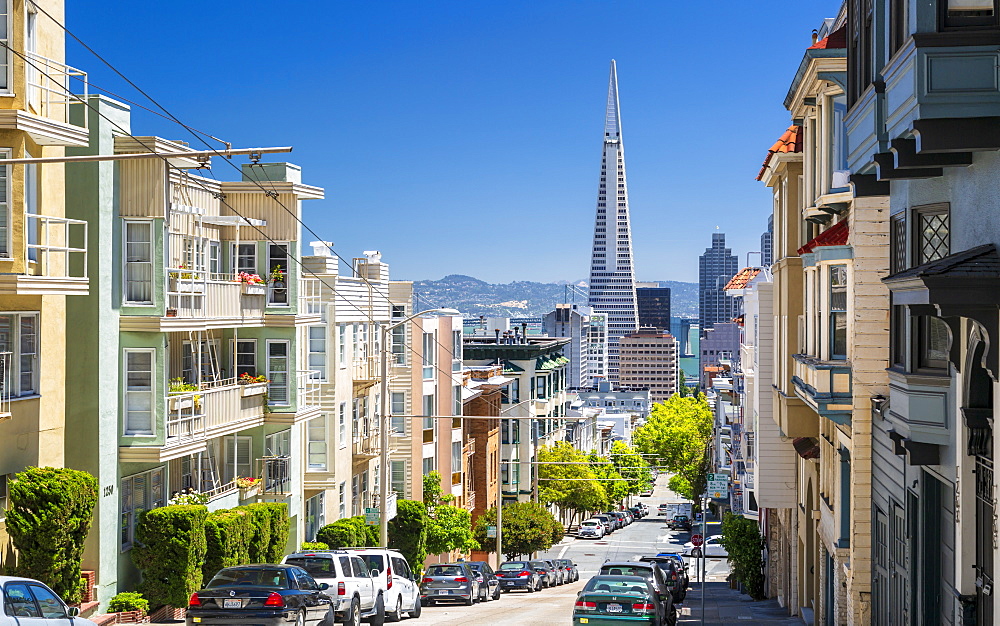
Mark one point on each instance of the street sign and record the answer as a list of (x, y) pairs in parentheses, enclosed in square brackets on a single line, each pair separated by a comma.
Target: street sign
[(718, 495), (697, 540), (371, 516), (491, 532), (718, 485), (711, 477)]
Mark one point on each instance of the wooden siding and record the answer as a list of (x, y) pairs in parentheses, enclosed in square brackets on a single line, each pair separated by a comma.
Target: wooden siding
[(143, 188)]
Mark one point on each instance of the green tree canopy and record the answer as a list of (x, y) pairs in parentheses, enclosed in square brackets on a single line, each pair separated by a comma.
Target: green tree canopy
[(450, 528), (527, 528), (611, 481), (572, 487), (678, 433), (631, 466)]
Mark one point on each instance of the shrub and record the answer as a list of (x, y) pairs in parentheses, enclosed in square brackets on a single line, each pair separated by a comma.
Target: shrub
[(314, 545), (270, 531), (227, 540), (128, 601), (450, 528), (741, 539), (408, 533), (351, 532), (170, 551), (49, 517), (558, 532)]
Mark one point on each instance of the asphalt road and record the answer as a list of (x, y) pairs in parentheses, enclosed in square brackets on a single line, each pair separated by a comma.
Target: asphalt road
[(555, 606)]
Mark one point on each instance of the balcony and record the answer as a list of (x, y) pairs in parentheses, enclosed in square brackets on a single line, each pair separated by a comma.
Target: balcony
[(365, 372), (46, 113), (194, 417), (55, 259), (276, 475), (212, 298), (366, 441), (825, 386), (307, 399)]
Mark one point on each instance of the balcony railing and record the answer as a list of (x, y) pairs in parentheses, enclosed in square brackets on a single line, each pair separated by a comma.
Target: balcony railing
[(366, 369), (216, 407), (201, 295), (49, 85), (49, 245), (276, 475)]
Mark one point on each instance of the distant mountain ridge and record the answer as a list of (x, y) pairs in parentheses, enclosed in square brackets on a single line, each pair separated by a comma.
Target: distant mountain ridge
[(525, 298)]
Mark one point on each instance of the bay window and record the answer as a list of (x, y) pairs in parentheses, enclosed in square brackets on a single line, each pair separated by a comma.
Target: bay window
[(138, 242), (139, 365), (838, 312)]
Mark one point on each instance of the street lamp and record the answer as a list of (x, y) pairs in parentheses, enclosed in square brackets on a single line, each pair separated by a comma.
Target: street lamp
[(383, 483)]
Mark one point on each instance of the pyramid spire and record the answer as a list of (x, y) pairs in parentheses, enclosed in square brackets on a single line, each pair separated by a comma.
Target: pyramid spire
[(612, 122)]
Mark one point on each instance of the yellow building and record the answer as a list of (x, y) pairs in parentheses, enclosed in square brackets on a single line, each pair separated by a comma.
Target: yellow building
[(42, 254)]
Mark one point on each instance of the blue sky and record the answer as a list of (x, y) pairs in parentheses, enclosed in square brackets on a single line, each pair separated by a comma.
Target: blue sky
[(465, 137)]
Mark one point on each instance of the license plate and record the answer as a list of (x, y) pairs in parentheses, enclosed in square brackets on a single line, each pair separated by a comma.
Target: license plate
[(510, 584), (234, 603), (614, 608), (443, 592)]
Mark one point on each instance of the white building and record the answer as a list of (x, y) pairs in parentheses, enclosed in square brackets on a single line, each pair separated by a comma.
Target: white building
[(573, 322)]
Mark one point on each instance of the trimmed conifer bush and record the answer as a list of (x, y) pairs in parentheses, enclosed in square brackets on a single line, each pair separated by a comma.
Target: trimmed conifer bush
[(408, 533), (270, 531), (170, 551), (227, 540), (48, 519)]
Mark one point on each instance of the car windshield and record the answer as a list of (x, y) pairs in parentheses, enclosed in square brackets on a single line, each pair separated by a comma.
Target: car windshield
[(541, 564), (514, 565), (591, 523), (626, 570), (262, 577), (445, 570), (374, 562), (315, 565), (617, 584)]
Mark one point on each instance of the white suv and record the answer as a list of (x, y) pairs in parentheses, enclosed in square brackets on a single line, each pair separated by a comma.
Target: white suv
[(395, 581), (354, 592)]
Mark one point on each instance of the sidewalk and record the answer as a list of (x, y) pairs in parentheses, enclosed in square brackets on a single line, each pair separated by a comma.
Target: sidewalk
[(723, 606)]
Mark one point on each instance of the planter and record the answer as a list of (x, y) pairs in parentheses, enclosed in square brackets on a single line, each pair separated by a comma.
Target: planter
[(179, 404), (254, 290), (132, 617), (181, 285), (171, 312), (167, 614), (250, 492), (254, 389)]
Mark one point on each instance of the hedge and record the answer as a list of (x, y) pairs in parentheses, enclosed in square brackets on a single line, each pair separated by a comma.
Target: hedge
[(48, 519), (227, 537), (351, 532), (170, 550), (408, 533), (270, 531)]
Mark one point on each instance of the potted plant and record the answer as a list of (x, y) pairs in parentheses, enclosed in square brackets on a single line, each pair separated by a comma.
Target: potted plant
[(184, 282), (252, 385), (278, 277), (253, 284), (248, 486), (178, 386), (131, 608)]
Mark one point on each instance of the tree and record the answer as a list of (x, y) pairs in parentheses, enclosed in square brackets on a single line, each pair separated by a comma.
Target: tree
[(528, 527), (51, 510), (433, 495), (631, 466), (741, 539), (170, 551), (408, 533), (610, 480), (450, 528), (571, 487), (678, 433)]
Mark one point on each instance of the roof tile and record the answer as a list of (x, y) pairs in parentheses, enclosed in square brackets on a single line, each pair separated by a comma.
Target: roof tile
[(836, 235), (790, 141), (836, 39), (742, 278)]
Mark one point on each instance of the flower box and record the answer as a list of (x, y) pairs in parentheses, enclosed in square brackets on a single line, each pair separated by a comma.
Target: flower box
[(254, 389), (254, 290), (179, 285), (179, 403), (250, 492)]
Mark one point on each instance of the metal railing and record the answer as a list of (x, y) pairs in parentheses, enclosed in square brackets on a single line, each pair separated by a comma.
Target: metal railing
[(49, 84), (192, 414), (55, 258), (193, 294), (275, 474), (367, 368)]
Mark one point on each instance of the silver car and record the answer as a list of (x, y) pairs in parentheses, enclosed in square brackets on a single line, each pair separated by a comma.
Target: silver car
[(28, 601), (450, 581)]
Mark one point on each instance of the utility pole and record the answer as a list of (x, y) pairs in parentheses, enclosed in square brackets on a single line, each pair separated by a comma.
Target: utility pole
[(704, 548)]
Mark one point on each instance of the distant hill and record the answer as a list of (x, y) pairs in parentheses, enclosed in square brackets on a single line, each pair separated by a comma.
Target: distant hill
[(474, 297)]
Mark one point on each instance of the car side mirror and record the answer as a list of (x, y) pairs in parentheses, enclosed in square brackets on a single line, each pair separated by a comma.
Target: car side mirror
[(73, 611), (323, 586)]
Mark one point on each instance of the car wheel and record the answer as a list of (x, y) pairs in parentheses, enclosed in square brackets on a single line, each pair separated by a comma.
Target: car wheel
[(353, 617), (415, 613), (379, 618), (471, 600), (696, 553), (300, 619), (329, 619), (486, 594), (496, 594), (396, 615)]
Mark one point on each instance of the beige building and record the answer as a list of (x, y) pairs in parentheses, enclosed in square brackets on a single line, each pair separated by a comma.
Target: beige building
[(648, 361)]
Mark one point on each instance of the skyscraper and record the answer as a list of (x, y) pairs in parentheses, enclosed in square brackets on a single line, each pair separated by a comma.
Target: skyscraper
[(766, 243), (654, 305), (612, 279), (715, 268)]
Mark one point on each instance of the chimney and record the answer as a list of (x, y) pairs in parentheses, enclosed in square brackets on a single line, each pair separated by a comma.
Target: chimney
[(524, 331), (497, 331), (815, 36)]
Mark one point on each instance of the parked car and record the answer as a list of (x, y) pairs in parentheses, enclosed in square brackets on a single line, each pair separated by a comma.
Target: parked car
[(674, 573), (711, 548), (608, 521), (591, 528), (680, 522), (547, 573), (638, 512), (351, 588), (682, 564), (450, 581), (394, 579), (518, 575), (649, 571), (618, 519), (647, 493), (262, 594), (489, 579), (26, 598), (571, 569), (562, 576), (662, 509), (622, 599)]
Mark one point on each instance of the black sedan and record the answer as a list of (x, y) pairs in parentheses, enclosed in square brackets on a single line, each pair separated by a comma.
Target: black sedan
[(261, 594)]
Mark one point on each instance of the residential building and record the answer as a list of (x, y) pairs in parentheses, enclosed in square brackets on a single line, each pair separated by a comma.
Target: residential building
[(43, 253), (721, 342), (617, 401), (572, 321), (183, 331), (715, 267), (612, 274), (654, 305), (534, 405), (931, 162), (648, 361)]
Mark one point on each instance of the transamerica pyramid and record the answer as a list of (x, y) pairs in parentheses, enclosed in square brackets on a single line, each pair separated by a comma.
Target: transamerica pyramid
[(612, 275)]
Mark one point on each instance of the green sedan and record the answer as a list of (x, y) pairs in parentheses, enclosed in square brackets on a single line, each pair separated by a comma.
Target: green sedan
[(617, 600)]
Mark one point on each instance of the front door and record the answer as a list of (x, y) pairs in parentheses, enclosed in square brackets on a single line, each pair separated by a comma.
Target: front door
[(984, 540), (899, 597)]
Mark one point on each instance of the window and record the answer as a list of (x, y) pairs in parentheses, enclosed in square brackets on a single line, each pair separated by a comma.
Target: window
[(456, 408), (430, 355), (933, 341), (215, 258), (398, 311), (208, 358), (342, 504), (317, 352), (245, 258), (138, 262), (315, 515), (398, 477), (4, 170), (237, 461), (277, 372), (456, 351), (356, 419), (5, 65), (398, 412), (317, 444), (898, 234), (456, 457), (897, 329), (139, 391), (838, 311), (342, 425), (277, 267), (399, 345), (428, 465), (246, 357), (139, 492), (968, 13), (860, 72), (51, 606), (898, 24), (342, 344), (932, 239), (429, 405)]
